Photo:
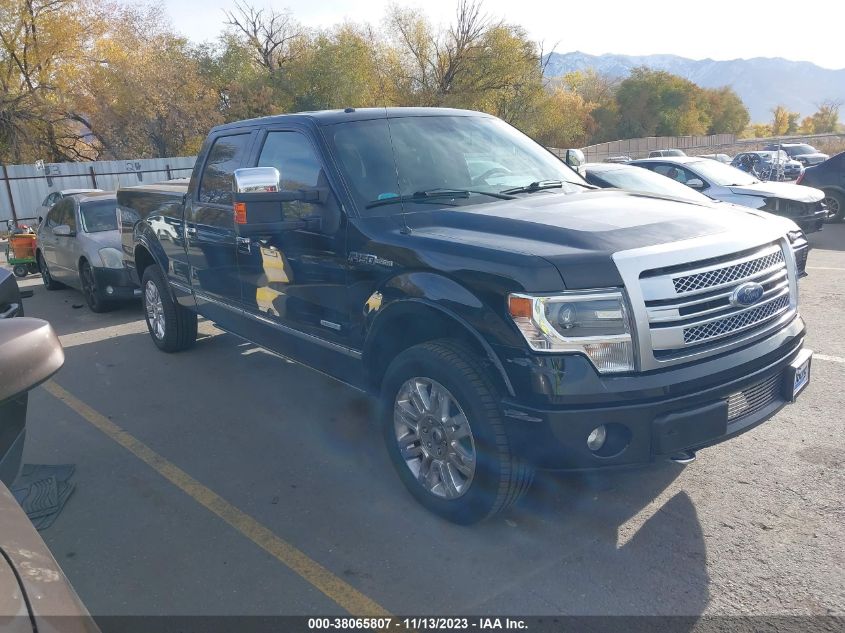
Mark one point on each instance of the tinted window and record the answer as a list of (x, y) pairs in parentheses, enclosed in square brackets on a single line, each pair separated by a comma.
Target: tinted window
[(797, 150), (292, 154), (99, 216), (637, 179), (224, 157)]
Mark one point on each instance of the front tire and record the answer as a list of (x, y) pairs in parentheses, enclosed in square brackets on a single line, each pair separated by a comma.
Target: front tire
[(20, 270), (95, 300), (835, 202), (445, 436), (46, 277), (172, 327)]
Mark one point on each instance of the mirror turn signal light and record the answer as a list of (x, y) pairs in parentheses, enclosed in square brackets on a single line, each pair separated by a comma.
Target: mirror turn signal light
[(240, 213)]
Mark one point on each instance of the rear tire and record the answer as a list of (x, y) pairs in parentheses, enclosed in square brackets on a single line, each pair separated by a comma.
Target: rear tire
[(20, 270), (835, 202), (462, 472), (172, 327), (46, 277)]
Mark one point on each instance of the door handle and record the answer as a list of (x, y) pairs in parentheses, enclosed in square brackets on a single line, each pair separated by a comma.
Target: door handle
[(244, 245)]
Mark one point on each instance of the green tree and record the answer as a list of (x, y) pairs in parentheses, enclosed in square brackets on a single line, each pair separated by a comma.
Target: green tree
[(657, 103), (728, 114)]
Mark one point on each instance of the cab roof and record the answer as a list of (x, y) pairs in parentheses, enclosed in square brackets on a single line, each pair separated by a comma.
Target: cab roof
[(330, 117)]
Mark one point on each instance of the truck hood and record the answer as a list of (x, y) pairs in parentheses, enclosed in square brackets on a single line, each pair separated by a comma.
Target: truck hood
[(579, 233), (783, 190)]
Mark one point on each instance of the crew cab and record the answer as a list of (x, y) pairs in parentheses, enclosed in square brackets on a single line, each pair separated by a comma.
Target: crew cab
[(507, 319)]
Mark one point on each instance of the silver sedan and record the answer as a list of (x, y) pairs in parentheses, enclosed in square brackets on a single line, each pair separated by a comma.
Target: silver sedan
[(79, 246)]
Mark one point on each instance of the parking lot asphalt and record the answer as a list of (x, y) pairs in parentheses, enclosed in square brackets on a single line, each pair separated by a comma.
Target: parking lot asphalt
[(226, 480)]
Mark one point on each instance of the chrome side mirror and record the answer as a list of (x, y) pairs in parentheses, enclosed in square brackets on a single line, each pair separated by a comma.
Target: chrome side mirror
[(257, 180)]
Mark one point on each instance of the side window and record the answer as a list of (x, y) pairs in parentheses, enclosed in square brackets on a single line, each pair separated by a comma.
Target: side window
[(224, 157), (62, 213), (69, 214), (292, 154)]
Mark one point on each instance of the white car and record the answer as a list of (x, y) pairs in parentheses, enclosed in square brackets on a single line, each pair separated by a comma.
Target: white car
[(722, 182), (57, 196)]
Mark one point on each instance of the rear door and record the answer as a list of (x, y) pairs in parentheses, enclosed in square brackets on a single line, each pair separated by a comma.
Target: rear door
[(210, 239)]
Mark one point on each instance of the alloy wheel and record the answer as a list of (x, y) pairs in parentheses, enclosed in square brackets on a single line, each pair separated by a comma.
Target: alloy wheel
[(434, 438), (155, 310)]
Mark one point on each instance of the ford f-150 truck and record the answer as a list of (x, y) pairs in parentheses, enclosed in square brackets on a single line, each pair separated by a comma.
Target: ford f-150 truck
[(507, 315)]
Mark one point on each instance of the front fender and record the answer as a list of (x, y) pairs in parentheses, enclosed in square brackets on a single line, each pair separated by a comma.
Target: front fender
[(409, 295)]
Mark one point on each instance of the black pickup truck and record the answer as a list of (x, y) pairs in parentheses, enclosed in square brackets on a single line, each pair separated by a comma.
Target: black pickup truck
[(507, 315)]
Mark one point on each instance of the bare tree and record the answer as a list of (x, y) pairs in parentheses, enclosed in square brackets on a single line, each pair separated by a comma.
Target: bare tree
[(271, 35)]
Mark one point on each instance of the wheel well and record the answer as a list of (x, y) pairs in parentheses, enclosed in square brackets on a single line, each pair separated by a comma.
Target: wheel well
[(143, 258), (406, 328)]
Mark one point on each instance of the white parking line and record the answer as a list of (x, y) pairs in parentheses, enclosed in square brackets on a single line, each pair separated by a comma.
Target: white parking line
[(832, 359), (823, 268), (103, 333)]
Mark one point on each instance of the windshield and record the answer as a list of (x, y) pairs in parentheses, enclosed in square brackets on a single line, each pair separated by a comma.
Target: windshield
[(798, 150), (721, 174), (99, 216), (384, 159), (643, 180)]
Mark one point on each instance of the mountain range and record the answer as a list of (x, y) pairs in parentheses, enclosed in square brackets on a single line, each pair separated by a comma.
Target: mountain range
[(762, 82)]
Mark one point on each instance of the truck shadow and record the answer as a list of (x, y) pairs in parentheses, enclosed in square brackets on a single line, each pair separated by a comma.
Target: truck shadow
[(303, 455)]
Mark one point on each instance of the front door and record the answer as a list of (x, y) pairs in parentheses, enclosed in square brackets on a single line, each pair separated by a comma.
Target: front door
[(296, 280), (210, 239)]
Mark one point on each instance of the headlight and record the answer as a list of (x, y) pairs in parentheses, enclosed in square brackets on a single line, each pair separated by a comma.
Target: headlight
[(596, 324), (111, 258)]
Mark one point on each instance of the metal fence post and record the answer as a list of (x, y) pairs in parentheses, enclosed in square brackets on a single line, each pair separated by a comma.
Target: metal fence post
[(93, 176), (11, 198)]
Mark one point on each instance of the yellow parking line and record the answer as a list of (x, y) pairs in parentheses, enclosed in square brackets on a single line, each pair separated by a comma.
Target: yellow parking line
[(318, 576)]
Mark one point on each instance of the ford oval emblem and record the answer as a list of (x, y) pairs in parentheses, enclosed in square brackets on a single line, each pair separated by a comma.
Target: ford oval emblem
[(747, 294)]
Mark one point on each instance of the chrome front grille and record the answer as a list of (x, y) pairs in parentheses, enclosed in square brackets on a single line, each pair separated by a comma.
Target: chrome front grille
[(753, 398), (736, 322), (691, 309), (721, 276)]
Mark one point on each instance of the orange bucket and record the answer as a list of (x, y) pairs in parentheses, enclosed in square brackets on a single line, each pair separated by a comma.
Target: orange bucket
[(22, 246)]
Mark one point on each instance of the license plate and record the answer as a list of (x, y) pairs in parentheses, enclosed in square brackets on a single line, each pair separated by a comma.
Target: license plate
[(800, 369)]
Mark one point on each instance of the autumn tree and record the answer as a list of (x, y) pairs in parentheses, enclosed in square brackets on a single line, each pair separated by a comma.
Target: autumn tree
[(43, 43), (826, 118), (145, 97)]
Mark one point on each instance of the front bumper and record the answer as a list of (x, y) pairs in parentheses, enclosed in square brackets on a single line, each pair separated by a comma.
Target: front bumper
[(116, 279), (682, 415), (811, 222)]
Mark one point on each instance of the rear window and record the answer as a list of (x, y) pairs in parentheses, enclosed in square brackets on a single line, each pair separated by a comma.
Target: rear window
[(225, 156), (99, 216)]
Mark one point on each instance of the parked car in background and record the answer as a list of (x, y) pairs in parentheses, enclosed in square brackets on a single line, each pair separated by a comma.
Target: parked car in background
[(802, 152), (56, 197), (79, 246), (618, 159), (35, 595), (658, 153), (803, 205), (768, 164), (722, 158), (634, 179), (829, 176)]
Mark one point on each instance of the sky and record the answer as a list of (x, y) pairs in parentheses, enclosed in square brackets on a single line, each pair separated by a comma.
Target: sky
[(716, 29)]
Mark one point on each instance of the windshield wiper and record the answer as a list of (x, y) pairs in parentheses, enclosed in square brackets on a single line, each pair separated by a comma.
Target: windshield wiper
[(538, 185), (432, 195)]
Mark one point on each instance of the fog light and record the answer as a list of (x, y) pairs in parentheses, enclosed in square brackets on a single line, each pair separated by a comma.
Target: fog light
[(109, 290), (596, 438)]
